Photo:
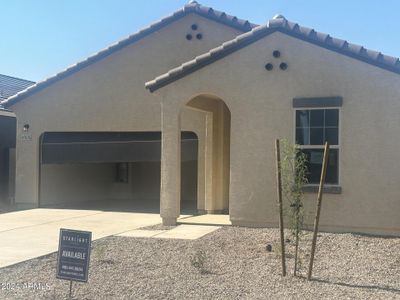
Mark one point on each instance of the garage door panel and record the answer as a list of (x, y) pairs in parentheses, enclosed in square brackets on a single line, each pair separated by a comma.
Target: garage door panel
[(100, 152), (98, 147)]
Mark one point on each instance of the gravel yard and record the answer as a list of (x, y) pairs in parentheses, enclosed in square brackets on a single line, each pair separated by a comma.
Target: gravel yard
[(236, 266)]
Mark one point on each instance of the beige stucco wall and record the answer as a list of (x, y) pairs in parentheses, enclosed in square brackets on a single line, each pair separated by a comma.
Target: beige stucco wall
[(109, 95), (261, 110)]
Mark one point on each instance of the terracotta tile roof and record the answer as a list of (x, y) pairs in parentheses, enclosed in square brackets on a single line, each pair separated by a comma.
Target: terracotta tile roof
[(10, 86), (191, 7), (278, 23)]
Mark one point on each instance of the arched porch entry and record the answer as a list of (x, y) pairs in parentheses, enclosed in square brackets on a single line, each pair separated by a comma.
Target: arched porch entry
[(213, 171), (214, 157)]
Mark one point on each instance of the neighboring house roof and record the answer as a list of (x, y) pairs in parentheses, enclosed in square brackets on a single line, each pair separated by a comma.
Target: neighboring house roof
[(278, 23), (6, 113), (10, 86), (191, 7)]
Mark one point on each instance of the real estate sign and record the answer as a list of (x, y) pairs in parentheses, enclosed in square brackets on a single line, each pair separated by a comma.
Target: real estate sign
[(74, 255)]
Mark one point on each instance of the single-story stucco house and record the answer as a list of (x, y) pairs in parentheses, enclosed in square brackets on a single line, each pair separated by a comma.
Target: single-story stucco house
[(184, 114)]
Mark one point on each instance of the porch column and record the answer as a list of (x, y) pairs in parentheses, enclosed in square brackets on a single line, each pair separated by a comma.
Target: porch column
[(170, 191)]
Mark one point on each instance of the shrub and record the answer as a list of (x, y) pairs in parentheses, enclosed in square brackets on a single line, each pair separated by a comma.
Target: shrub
[(198, 260), (293, 172)]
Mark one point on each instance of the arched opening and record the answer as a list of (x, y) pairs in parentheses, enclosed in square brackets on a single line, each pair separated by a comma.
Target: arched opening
[(213, 168)]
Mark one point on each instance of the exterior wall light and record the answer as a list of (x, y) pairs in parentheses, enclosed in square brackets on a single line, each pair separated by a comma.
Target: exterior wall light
[(26, 127)]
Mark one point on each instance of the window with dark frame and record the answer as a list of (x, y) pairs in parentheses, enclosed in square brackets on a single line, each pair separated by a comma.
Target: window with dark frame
[(313, 128)]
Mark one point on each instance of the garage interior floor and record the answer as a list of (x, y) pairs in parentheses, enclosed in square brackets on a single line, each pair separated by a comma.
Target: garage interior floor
[(147, 206)]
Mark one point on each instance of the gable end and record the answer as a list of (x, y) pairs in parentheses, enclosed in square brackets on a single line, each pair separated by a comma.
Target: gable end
[(192, 7)]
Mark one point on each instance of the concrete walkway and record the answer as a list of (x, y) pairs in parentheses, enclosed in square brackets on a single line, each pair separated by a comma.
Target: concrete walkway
[(183, 232), (31, 233), (219, 220)]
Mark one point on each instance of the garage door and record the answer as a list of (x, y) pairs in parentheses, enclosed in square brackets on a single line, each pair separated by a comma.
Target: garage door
[(97, 147), (110, 170)]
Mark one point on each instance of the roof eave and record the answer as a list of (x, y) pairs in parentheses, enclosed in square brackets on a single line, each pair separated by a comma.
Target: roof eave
[(341, 51)]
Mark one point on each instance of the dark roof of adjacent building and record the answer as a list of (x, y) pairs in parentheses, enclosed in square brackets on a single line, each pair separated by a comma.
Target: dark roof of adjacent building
[(191, 7), (6, 112), (10, 86), (278, 23)]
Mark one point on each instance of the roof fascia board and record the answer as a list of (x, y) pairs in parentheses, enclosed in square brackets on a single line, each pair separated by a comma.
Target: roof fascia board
[(337, 50)]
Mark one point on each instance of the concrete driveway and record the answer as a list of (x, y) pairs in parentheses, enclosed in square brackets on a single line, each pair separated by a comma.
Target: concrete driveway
[(31, 233)]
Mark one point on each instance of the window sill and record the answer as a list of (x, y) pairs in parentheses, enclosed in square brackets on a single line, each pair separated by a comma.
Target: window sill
[(328, 189)]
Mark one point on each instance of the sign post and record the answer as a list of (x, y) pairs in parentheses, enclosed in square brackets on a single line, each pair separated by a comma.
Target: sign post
[(73, 256)]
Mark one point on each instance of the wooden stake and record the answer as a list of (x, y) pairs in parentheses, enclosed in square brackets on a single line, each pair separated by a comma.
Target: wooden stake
[(279, 192), (70, 289), (319, 201), (296, 251)]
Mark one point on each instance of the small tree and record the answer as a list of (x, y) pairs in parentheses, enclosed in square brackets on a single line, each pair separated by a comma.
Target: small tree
[(294, 171), (198, 260)]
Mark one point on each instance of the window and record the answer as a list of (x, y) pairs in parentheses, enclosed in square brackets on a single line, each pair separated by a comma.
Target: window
[(313, 128)]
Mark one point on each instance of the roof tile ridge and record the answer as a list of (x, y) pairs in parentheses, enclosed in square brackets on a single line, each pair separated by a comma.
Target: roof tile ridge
[(17, 78)]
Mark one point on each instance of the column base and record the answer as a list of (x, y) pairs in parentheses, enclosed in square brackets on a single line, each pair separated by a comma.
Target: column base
[(169, 221), (213, 212)]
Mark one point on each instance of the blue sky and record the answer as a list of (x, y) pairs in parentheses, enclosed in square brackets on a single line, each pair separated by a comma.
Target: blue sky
[(41, 37)]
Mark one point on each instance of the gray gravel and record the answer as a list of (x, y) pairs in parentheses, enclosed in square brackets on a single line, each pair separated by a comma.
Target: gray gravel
[(236, 266)]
